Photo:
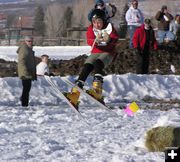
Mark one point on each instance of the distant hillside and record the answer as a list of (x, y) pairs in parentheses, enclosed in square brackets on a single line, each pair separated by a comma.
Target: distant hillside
[(149, 7), (13, 1), (26, 7)]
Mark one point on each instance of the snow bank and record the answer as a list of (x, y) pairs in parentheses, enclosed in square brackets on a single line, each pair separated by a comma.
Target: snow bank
[(117, 88)]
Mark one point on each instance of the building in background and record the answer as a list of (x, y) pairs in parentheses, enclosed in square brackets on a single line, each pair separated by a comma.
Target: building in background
[(23, 26)]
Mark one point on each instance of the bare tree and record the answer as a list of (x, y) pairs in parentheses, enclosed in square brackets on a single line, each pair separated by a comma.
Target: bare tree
[(53, 20), (81, 8), (66, 21)]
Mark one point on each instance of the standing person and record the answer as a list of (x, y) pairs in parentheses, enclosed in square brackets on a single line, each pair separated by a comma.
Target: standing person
[(134, 18), (102, 6), (175, 26), (164, 18), (26, 68), (42, 68), (102, 37), (143, 41)]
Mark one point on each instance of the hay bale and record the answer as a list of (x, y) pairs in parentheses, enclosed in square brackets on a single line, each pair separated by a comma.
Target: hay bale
[(159, 138)]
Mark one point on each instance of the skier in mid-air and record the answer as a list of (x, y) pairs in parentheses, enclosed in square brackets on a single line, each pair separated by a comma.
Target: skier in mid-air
[(102, 37)]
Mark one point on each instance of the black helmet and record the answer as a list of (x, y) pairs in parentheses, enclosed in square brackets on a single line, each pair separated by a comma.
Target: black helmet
[(97, 13)]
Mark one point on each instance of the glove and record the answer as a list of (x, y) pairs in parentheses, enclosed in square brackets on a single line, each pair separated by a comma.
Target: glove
[(106, 37), (23, 77), (99, 38), (51, 74)]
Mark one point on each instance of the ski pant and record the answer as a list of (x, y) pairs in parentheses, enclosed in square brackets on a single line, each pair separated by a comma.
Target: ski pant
[(25, 92), (95, 62), (142, 62)]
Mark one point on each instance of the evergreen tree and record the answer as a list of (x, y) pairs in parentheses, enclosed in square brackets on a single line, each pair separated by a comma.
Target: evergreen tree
[(10, 20), (39, 25)]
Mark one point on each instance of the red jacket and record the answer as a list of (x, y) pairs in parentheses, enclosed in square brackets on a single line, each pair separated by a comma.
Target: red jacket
[(139, 38), (110, 47)]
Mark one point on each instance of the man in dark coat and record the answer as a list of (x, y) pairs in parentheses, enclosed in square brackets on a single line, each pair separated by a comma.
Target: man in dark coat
[(143, 41), (26, 68)]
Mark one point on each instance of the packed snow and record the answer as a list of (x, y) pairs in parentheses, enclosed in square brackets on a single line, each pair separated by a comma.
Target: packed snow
[(55, 52), (49, 130)]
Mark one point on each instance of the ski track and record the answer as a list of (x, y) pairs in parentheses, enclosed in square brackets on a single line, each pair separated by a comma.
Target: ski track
[(54, 132)]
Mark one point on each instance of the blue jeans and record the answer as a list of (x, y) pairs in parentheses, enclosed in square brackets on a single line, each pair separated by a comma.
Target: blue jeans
[(162, 34), (131, 30)]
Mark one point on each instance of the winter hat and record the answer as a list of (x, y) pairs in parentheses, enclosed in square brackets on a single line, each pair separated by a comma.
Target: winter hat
[(99, 2), (97, 13), (164, 7), (147, 21)]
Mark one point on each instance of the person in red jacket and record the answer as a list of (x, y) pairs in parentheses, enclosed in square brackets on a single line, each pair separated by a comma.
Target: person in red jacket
[(102, 37), (143, 41)]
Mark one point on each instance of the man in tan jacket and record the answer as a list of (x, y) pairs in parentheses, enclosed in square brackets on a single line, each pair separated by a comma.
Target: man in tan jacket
[(26, 68), (164, 18)]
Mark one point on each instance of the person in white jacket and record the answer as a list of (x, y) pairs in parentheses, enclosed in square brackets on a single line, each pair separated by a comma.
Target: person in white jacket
[(175, 26), (134, 18), (42, 68)]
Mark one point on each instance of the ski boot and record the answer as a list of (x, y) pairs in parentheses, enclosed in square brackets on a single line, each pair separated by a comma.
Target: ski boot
[(96, 90), (74, 95)]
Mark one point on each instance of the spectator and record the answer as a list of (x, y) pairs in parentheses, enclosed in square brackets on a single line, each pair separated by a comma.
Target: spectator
[(175, 26), (164, 18), (26, 68), (102, 37), (42, 68), (102, 6), (134, 19), (143, 41)]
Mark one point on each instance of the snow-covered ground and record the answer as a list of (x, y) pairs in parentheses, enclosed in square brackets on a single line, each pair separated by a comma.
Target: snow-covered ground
[(54, 52), (50, 131)]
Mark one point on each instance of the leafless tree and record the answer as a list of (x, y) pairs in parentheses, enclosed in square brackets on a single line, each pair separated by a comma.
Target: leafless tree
[(53, 20), (81, 9)]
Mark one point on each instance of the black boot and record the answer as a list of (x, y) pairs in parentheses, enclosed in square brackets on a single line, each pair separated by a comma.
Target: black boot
[(98, 67), (80, 83)]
